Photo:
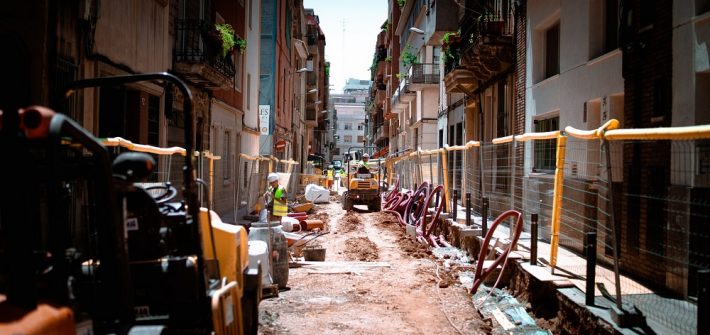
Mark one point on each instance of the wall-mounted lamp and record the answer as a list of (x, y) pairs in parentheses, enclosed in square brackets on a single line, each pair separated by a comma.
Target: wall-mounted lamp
[(301, 70), (313, 90), (416, 30), (317, 102), (324, 111)]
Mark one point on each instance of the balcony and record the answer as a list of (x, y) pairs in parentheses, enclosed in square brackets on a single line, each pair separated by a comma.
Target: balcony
[(382, 133), (198, 57), (423, 75), (402, 96), (441, 17), (311, 117), (484, 47)]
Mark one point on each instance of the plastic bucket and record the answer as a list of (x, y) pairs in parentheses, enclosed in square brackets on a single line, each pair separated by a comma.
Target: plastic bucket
[(314, 254)]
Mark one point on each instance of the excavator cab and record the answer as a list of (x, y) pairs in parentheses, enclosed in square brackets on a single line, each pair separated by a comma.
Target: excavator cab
[(86, 247)]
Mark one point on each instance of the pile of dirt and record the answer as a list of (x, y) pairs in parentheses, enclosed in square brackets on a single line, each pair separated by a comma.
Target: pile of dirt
[(335, 198), (413, 248), (406, 243), (386, 220), (349, 222), (361, 249)]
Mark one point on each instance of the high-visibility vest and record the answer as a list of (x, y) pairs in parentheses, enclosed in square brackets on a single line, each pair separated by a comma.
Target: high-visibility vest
[(280, 206), (330, 174)]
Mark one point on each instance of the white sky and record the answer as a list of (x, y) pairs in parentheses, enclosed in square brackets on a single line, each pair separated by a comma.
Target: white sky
[(362, 19)]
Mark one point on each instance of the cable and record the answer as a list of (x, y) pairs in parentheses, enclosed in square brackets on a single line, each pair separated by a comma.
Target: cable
[(441, 300)]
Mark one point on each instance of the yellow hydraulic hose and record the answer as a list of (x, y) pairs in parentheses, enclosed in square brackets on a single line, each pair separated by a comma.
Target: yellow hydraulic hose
[(124, 143), (592, 134), (674, 133), (557, 198)]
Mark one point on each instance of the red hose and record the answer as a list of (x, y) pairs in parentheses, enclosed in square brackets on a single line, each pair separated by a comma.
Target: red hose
[(482, 273)]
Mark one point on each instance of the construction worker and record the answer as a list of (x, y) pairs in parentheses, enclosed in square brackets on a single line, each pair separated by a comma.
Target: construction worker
[(364, 166), (276, 194), (329, 177)]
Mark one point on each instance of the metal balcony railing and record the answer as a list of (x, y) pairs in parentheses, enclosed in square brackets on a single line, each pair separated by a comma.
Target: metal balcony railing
[(193, 44), (423, 73), (494, 25)]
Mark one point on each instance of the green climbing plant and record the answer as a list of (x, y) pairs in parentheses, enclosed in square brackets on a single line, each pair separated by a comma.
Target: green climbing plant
[(408, 57), (241, 44), (401, 3), (226, 34)]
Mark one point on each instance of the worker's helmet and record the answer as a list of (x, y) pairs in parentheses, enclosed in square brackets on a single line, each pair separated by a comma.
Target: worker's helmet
[(272, 177), (365, 156), (330, 166)]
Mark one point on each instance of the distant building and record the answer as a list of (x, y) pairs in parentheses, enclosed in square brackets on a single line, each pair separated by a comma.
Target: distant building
[(349, 116), (356, 86)]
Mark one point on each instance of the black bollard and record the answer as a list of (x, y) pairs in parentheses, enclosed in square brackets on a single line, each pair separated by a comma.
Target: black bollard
[(703, 301), (468, 209), (455, 207), (484, 217), (590, 249), (533, 239)]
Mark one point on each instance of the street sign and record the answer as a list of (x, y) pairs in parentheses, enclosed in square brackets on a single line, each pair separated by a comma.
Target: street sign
[(264, 114)]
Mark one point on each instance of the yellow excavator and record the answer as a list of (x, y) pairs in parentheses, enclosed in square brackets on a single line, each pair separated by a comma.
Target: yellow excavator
[(87, 247), (363, 180)]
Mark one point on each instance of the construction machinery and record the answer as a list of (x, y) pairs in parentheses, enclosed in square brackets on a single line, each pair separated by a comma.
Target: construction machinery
[(363, 180), (87, 248)]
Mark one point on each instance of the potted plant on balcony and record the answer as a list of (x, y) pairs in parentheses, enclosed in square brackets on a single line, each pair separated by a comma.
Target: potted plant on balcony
[(226, 35), (241, 44), (408, 57)]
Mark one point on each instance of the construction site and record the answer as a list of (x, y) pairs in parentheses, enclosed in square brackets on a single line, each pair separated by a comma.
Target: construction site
[(507, 167)]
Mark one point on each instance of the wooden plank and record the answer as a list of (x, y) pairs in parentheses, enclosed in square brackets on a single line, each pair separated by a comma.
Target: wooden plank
[(344, 264)]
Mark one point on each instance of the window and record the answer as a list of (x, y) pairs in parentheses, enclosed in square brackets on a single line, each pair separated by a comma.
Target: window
[(348, 138), (347, 126), (552, 50), (360, 138), (603, 27), (227, 155), (245, 175), (238, 59), (545, 150), (360, 126), (611, 40), (251, 12)]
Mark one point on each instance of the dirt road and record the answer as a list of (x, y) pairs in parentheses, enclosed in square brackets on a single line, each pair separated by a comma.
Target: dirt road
[(401, 289)]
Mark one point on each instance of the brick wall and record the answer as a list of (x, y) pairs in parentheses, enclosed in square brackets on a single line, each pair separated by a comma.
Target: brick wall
[(647, 70)]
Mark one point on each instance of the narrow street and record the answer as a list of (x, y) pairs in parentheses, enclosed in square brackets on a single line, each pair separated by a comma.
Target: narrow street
[(389, 284)]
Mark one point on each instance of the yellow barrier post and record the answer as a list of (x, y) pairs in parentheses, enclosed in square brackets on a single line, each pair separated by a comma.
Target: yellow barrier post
[(211, 159), (557, 199), (445, 168)]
